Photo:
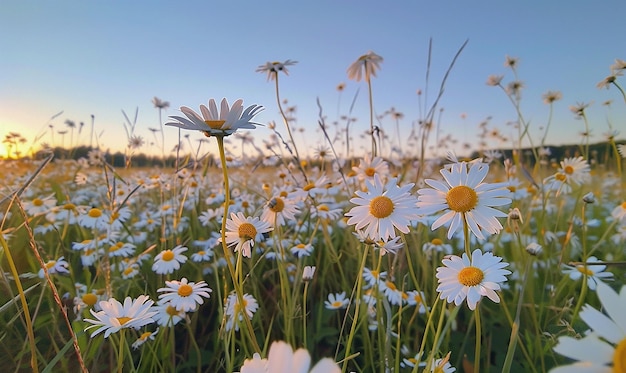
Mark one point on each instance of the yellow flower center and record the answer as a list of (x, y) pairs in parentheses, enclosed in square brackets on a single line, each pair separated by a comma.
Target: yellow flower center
[(116, 247), (619, 357), (391, 285), (129, 270), (277, 204), (144, 336), (624, 205), (462, 198), (300, 246), (37, 202), (94, 213), (123, 320), (375, 273), (239, 307), (336, 304), (436, 241), (584, 271), (69, 206), (215, 124), (560, 177), (322, 208), (370, 171), (247, 231), (185, 290), (511, 188), (381, 207), (51, 264), (568, 169), (89, 299), (308, 187), (471, 276), (167, 255), (172, 311)]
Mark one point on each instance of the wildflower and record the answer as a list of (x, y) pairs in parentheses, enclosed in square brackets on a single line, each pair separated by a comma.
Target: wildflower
[(369, 167), (465, 199), (282, 359), (394, 295), (534, 249), (573, 172), (273, 68), (622, 150), (214, 123), (301, 250), (619, 212), (55, 266), (605, 346), (160, 104), (307, 273), (551, 96), (233, 309), (40, 205), (437, 245), (494, 80), (94, 218), (618, 65), (390, 245), (167, 261), (462, 278), (184, 295), (416, 298), (123, 249), (143, 338), (278, 209), (511, 62), (383, 208), (134, 313), (366, 65), (579, 109), (594, 273), (202, 255), (337, 301), (589, 198), (243, 232), (167, 315), (373, 277)]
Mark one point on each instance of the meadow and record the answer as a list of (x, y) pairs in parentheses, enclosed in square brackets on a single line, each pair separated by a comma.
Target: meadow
[(506, 261)]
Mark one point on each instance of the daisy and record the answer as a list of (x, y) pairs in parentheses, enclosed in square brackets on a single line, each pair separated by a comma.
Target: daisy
[(94, 218), (39, 205), (307, 273), (465, 199), (373, 276), (167, 315), (233, 309), (122, 249), (594, 273), (202, 255), (273, 68), (383, 208), (214, 123), (134, 313), (573, 172), (366, 66), (369, 167), (622, 150), (278, 209), (604, 349), (337, 301), (167, 261), (437, 245), (394, 295), (416, 298), (462, 278), (282, 359), (55, 266), (300, 250), (243, 232), (619, 212), (390, 245), (183, 295), (143, 338)]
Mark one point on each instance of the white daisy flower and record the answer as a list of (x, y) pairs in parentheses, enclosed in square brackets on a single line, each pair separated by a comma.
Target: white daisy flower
[(114, 316), (300, 250), (366, 66), (243, 232), (282, 359), (55, 266), (273, 68), (369, 167), (278, 209), (307, 273), (462, 278), (337, 301), (217, 123), (619, 212), (465, 199), (603, 350), (234, 310), (184, 295), (573, 172), (383, 208), (167, 261), (167, 315), (594, 273), (144, 337)]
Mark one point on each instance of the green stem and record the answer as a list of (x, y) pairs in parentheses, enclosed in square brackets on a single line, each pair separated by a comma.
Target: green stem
[(478, 339), (357, 305)]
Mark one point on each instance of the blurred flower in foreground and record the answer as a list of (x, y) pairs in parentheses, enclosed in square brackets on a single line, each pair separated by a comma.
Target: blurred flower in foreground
[(272, 68), (217, 123), (465, 199), (115, 316), (605, 345), (594, 273), (282, 359), (461, 278), (366, 65)]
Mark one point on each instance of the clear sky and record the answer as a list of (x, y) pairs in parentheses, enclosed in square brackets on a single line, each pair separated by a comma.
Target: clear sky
[(98, 58)]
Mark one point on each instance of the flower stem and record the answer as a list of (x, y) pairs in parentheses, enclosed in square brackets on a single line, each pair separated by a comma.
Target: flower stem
[(478, 339)]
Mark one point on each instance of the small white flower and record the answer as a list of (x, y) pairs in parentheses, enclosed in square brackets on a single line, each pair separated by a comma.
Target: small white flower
[(337, 301), (184, 295)]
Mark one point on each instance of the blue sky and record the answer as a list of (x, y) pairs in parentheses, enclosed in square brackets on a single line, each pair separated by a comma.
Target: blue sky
[(100, 58)]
